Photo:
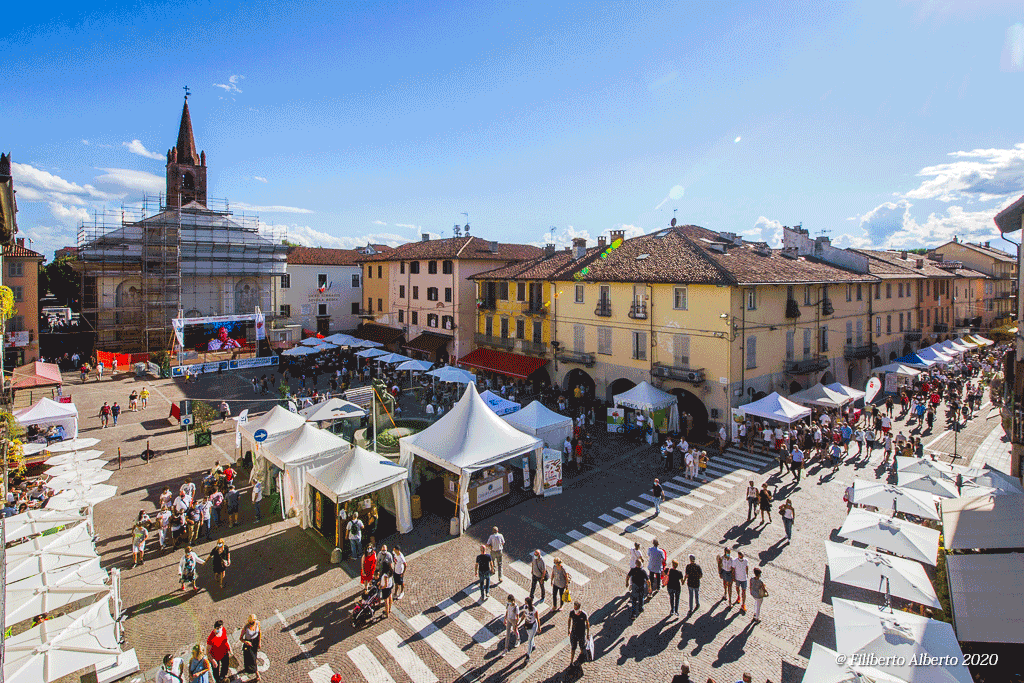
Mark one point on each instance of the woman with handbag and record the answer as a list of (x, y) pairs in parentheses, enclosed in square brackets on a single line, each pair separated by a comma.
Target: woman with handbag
[(250, 638), (221, 557), (199, 668), (758, 591), (559, 585)]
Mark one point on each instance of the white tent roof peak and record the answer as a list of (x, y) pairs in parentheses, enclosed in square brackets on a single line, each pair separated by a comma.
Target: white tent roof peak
[(276, 421), (821, 395), (331, 409), (536, 414), (44, 409), (305, 442), (778, 408), (645, 396), (355, 474)]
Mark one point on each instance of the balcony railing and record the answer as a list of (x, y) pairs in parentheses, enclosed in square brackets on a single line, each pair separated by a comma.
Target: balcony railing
[(487, 340), (363, 313), (807, 365), (677, 372), (536, 348), (941, 328), (912, 335), (854, 351), (604, 308), (536, 308), (579, 357), (638, 310)]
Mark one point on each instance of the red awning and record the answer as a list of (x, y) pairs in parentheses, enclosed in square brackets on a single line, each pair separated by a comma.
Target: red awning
[(503, 363), (36, 374)]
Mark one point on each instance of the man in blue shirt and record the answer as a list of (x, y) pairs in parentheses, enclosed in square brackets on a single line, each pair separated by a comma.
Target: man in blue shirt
[(798, 462)]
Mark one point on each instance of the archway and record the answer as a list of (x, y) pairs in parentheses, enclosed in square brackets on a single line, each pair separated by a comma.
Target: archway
[(892, 356), (247, 296), (698, 412), (758, 395), (193, 313), (907, 350), (578, 378), (795, 387), (619, 386), (540, 380), (828, 377), (849, 375)]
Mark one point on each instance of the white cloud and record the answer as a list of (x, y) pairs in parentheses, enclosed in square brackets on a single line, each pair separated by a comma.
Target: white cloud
[(1013, 49), (407, 226), (765, 230), (270, 209), (979, 174), (379, 223), (259, 178), (37, 185), (311, 237), (563, 237), (130, 179), (46, 239), (891, 225), (136, 147), (231, 86), (85, 142), (69, 215)]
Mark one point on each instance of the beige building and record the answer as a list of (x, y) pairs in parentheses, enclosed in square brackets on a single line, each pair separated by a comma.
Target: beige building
[(21, 274), (1000, 299)]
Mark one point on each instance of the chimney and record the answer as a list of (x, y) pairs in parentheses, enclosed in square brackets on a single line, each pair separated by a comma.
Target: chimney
[(21, 241), (426, 237), (903, 255), (602, 241), (617, 235), (579, 248), (920, 263), (492, 247), (549, 250), (988, 244)]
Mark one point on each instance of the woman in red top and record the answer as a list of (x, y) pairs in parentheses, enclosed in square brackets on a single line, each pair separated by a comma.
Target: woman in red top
[(369, 566), (218, 649)]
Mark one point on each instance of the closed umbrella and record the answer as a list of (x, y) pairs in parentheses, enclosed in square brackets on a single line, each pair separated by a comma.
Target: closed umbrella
[(52, 590), (898, 640), (73, 445), (934, 484), (74, 456), (895, 535), (452, 374), (824, 667), (33, 522), (47, 553), (881, 495), (880, 573)]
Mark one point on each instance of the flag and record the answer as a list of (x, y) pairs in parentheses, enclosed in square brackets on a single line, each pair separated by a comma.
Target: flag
[(242, 417)]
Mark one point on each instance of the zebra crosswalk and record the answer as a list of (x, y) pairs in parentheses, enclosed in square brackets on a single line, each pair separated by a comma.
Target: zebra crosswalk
[(452, 631)]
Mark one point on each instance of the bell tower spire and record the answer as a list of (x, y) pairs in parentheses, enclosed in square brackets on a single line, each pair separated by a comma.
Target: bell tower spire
[(186, 169)]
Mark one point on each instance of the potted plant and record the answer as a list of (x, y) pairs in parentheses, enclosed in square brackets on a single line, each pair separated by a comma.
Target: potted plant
[(202, 415)]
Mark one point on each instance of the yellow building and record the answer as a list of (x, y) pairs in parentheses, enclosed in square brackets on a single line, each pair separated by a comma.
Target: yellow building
[(1000, 299), (21, 274)]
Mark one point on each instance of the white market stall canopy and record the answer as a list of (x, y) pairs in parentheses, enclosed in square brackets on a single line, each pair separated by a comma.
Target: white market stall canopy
[(359, 473), (877, 572), (894, 535), (47, 412), (882, 495), (32, 522), (499, 404), (854, 394), (303, 449), (986, 522), (52, 590), (277, 422), (987, 597), (775, 407), (47, 553), (644, 396), (331, 409), (898, 368), (542, 422), (821, 395), (935, 355)]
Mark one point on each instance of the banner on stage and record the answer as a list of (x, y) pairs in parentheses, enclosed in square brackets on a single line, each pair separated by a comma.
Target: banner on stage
[(239, 364)]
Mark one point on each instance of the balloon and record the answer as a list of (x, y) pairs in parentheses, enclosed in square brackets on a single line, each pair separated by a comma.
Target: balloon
[(874, 385)]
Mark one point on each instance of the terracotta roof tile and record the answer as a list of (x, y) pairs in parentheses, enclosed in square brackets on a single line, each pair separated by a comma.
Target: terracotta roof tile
[(17, 250), (891, 265), (458, 248), (318, 256), (540, 268)]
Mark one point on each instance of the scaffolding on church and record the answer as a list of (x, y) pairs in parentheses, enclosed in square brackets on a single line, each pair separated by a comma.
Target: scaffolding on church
[(145, 264)]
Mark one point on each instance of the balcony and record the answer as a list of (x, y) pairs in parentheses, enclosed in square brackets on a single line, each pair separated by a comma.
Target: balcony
[(363, 313), (501, 342), (536, 308), (941, 328), (679, 373), (487, 304), (912, 335), (578, 357), (532, 347), (806, 366), (604, 308), (855, 351), (638, 311)]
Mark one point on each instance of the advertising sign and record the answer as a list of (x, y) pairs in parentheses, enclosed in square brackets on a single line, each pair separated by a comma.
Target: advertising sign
[(216, 333), (239, 364), (526, 473), (891, 382), (491, 489), (616, 418), (552, 466)]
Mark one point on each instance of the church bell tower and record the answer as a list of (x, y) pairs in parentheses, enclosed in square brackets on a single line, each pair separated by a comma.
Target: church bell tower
[(186, 170)]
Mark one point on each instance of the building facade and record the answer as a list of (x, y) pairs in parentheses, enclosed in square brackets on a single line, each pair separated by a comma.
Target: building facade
[(1000, 299), (21, 274)]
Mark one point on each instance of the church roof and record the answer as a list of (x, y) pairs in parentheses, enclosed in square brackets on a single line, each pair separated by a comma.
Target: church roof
[(186, 141)]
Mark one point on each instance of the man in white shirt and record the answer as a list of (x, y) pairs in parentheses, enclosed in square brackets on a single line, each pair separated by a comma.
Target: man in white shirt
[(825, 420), (172, 671), (689, 464), (399, 567), (257, 498), (496, 542), (739, 576)]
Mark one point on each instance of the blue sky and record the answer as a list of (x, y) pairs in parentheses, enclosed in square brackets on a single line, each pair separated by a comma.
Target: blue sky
[(886, 124)]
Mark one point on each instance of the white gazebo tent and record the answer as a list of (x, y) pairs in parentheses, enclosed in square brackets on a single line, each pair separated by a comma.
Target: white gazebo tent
[(62, 646), (898, 368), (361, 472), (277, 422), (52, 590), (894, 535), (499, 404), (775, 407), (467, 439), (821, 395), (880, 573), (47, 412), (648, 398), (33, 522), (934, 354), (303, 449), (538, 420), (330, 410), (882, 495), (854, 394), (986, 522), (898, 640), (47, 553)]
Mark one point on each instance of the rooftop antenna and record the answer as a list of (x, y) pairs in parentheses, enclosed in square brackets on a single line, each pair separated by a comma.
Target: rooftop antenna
[(551, 233), (466, 227), (187, 92), (822, 232), (673, 221), (457, 231)]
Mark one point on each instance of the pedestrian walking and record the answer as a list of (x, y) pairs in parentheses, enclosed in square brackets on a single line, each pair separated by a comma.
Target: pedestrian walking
[(674, 586), (539, 572), (635, 555), (579, 632), (764, 497), (656, 559), (484, 569), (369, 567), (693, 576), (221, 557), (847, 498), (199, 669), (218, 649), (172, 670), (758, 592), (188, 570), (139, 536), (250, 638), (739, 573), (684, 673), (659, 496), (355, 536), (104, 415), (725, 573), (115, 412), (257, 499), (788, 515), (511, 621), (387, 585), (144, 397), (639, 586), (232, 500), (225, 411), (559, 584), (496, 542), (797, 458), (751, 500), (531, 620)]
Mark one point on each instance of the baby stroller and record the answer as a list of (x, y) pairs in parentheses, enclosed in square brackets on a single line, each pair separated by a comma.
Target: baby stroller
[(367, 605)]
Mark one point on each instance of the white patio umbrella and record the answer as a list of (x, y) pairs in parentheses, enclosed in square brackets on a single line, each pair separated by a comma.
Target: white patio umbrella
[(881, 495), (78, 480), (313, 341), (876, 572), (416, 365), (82, 496), (53, 589), (341, 339), (371, 353), (895, 535), (392, 358), (46, 553), (33, 448), (74, 456), (938, 468), (62, 646), (992, 478), (453, 374), (73, 445), (934, 484), (366, 344), (32, 522), (75, 467), (897, 638), (299, 351), (824, 667)]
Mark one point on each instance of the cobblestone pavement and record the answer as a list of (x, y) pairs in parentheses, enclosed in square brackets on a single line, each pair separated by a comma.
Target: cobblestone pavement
[(441, 631)]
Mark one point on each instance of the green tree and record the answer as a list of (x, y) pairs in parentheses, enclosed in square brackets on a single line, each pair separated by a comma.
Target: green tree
[(61, 279)]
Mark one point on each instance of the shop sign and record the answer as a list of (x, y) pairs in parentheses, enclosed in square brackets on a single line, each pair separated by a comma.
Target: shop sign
[(492, 489), (552, 461), (616, 418)]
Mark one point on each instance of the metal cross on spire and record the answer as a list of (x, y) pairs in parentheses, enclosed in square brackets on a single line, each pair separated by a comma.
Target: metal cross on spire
[(187, 92)]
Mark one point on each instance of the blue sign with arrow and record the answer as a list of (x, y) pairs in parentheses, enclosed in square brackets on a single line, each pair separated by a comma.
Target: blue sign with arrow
[(260, 435)]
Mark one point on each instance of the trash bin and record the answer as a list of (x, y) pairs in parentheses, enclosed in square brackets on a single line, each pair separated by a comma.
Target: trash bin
[(453, 528), (417, 509)]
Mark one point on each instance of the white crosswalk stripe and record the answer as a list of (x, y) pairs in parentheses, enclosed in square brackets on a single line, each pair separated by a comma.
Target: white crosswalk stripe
[(438, 641), (467, 622), (321, 674), (693, 487), (613, 555), (751, 466), (406, 658), (678, 494), (628, 528), (730, 475), (494, 607), (581, 557), (513, 589), (368, 665), (702, 488), (610, 535), (668, 504), (640, 517), (671, 519)]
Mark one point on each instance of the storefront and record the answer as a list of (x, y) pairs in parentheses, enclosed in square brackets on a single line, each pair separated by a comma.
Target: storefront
[(485, 486), (430, 346), (509, 367)]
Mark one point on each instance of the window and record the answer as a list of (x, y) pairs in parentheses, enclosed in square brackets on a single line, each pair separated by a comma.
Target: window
[(504, 328), (878, 324), (520, 328), (751, 353), (928, 287), (16, 268), (19, 293), (824, 339), (604, 341), (849, 332), (489, 326), (860, 293), (414, 267), (901, 322), (640, 345), (415, 292), (431, 293), (790, 344), (355, 279), (401, 291), (751, 299), (604, 294), (401, 267), (520, 291), (878, 290), (432, 268), (432, 318), (807, 343), (380, 272), (538, 332), (369, 305), (849, 292), (16, 324), (888, 324), (447, 267), (807, 295), (579, 294), (286, 281), (679, 301), (401, 315), (448, 322), (448, 294), (415, 318), (860, 332), (355, 308), (579, 338), (380, 305), (369, 272), (321, 309), (888, 290), (681, 350), (899, 290), (503, 291), (286, 310), (321, 281), (928, 316)]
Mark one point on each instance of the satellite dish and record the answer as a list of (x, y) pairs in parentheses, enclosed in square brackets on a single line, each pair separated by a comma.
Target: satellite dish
[(673, 223)]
